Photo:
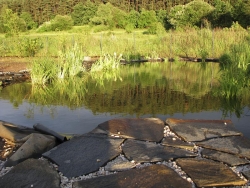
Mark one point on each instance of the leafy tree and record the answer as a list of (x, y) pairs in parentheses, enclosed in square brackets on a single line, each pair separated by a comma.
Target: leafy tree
[(30, 24), (222, 15), (190, 14), (60, 23), (241, 12), (132, 19), (110, 16), (83, 13), (11, 23), (146, 18)]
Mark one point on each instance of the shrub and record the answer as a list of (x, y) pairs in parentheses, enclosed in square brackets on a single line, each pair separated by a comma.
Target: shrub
[(29, 47)]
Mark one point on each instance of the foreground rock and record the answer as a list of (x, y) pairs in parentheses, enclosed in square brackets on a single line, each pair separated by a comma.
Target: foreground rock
[(14, 133), (140, 151), (31, 173), (199, 130), (227, 158), (150, 129), (207, 173), (152, 176), (177, 143), (84, 154), (34, 147), (238, 145), (119, 164)]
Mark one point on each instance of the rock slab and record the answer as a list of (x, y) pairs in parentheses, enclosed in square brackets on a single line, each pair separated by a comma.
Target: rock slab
[(198, 130), (238, 145), (148, 129), (148, 177), (31, 173), (207, 173), (177, 143), (119, 164), (34, 147), (140, 151), (84, 154), (227, 158)]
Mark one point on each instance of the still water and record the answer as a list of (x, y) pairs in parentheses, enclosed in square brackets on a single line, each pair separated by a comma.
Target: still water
[(162, 90)]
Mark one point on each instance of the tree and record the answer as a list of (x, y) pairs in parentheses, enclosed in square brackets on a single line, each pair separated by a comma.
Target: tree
[(190, 14), (222, 15), (83, 13), (30, 24), (11, 23), (60, 23), (146, 18)]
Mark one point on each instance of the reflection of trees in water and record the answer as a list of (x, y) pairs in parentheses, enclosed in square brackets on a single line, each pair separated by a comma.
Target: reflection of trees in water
[(152, 88)]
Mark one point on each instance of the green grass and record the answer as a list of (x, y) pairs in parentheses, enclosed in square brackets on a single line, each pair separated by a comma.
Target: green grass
[(195, 43)]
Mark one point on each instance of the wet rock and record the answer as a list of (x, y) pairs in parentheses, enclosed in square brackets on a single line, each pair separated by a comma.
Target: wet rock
[(150, 129), (14, 133), (199, 130), (151, 176), (207, 173), (227, 158), (42, 129), (238, 145), (84, 154), (34, 147), (177, 143), (140, 151), (119, 164), (31, 173)]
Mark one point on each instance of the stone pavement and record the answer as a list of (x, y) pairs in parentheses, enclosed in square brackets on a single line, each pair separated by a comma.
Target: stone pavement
[(132, 153)]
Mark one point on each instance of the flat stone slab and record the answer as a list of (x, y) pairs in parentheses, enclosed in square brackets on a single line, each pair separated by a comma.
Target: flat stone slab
[(207, 173), (199, 130), (149, 129), (227, 158), (31, 173), (238, 145), (177, 143), (148, 177), (140, 151), (119, 164), (84, 154)]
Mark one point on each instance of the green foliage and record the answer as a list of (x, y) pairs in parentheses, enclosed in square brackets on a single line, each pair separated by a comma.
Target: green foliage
[(156, 28), (190, 14), (110, 16), (59, 23), (30, 47), (82, 13), (132, 19), (146, 19), (222, 15), (11, 23), (30, 24)]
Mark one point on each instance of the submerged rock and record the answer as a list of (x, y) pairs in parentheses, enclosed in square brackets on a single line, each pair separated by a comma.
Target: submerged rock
[(207, 173), (149, 129), (238, 145), (199, 130), (151, 176), (31, 173), (84, 154), (140, 151)]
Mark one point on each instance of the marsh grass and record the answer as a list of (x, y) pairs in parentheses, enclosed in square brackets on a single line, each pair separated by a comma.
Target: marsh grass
[(191, 42)]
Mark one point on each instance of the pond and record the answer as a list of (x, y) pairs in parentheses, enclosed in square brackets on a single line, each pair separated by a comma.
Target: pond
[(173, 89)]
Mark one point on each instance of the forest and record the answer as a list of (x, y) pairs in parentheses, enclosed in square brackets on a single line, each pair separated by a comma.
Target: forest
[(54, 15)]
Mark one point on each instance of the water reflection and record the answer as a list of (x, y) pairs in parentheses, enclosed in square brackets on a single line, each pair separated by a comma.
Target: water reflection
[(140, 90)]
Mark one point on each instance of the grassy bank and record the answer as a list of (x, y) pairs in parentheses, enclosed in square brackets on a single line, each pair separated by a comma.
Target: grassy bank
[(191, 42)]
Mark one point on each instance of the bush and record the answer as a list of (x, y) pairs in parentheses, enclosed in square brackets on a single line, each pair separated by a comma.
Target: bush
[(29, 47), (61, 23)]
